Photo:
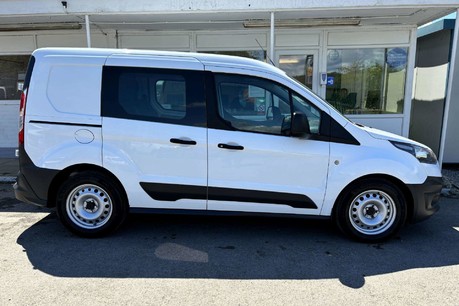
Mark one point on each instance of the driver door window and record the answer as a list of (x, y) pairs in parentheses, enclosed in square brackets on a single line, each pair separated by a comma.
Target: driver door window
[(254, 105), (302, 105)]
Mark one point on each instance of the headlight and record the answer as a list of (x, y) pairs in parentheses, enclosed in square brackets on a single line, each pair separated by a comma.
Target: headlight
[(424, 155)]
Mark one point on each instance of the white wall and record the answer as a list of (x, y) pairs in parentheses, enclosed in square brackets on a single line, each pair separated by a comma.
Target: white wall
[(27, 42), (9, 124), (174, 41)]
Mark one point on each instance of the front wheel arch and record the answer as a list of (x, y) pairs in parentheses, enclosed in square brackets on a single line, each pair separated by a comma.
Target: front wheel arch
[(402, 186), (346, 209)]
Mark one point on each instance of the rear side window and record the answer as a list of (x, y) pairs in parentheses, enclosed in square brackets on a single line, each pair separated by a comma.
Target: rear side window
[(157, 95)]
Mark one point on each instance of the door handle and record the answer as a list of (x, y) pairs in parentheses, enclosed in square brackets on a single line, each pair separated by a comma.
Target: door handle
[(230, 147), (183, 141)]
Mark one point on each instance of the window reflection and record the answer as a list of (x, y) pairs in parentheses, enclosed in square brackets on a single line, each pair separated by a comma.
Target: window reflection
[(299, 67), (12, 75), (253, 104), (367, 81)]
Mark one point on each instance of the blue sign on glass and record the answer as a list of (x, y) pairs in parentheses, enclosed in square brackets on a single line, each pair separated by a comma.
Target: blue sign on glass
[(396, 58), (330, 80)]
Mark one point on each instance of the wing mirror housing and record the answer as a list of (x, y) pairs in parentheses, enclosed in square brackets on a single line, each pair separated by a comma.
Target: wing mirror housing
[(300, 125)]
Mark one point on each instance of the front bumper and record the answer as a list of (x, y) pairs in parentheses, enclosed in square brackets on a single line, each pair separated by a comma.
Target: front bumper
[(425, 198)]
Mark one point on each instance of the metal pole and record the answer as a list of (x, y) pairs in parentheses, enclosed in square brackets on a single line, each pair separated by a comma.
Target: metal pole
[(449, 89), (271, 47), (88, 31)]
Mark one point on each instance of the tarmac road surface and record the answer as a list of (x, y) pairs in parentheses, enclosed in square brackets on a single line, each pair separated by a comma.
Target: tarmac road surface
[(191, 260)]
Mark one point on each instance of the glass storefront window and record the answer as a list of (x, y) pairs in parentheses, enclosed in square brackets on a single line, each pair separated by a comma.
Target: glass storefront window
[(253, 54), (299, 67), (367, 81), (12, 74)]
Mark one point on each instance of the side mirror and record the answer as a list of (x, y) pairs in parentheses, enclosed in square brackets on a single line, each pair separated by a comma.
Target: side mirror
[(300, 125)]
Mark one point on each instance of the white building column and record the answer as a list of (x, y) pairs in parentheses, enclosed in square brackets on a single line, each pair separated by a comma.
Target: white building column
[(271, 40), (452, 91), (409, 83), (88, 31)]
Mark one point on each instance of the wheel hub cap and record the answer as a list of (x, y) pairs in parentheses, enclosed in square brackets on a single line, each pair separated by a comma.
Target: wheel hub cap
[(90, 206), (372, 212)]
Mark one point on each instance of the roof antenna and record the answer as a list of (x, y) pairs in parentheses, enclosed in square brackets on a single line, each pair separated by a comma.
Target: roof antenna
[(272, 63)]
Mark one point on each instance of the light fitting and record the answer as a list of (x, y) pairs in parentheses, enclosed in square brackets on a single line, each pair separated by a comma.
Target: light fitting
[(40, 26), (298, 23)]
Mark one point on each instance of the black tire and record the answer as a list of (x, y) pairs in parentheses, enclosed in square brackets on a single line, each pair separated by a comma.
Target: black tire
[(91, 204), (373, 210)]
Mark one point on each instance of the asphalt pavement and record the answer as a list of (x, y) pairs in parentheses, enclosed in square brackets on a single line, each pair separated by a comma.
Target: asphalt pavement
[(191, 260), (9, 165)]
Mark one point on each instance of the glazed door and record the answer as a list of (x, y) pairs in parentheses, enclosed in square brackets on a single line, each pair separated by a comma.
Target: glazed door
[(301, 66)]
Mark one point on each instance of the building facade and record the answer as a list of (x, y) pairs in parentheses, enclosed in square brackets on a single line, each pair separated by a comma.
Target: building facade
[(359, 55)]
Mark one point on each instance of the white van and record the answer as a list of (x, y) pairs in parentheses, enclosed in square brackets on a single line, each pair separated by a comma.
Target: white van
[(106, 132)]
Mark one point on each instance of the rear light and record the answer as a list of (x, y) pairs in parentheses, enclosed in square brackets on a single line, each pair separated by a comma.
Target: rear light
[(22, 107)]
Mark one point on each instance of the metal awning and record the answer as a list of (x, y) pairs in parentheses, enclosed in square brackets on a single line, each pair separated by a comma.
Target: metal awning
[(216, 15)]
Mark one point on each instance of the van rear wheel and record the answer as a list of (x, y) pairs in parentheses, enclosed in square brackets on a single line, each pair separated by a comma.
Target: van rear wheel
[(371, 211), (91, 204)]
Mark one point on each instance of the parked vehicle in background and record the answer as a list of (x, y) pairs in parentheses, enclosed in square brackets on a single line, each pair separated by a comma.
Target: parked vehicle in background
[(106, 132)]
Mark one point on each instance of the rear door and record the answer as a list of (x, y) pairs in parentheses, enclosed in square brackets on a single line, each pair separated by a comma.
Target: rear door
[(154, 130)]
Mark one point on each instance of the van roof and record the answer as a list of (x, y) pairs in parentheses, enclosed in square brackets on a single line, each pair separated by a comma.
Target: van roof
[(204, 58)]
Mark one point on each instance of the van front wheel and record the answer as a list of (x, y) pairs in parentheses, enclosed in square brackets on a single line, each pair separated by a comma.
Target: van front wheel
[(371, 211), (90, 204)]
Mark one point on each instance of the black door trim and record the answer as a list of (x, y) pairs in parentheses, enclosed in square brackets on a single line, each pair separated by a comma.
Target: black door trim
[(174, 192)]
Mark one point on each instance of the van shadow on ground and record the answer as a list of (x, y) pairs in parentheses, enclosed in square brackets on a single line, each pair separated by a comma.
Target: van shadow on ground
[(239, 248)]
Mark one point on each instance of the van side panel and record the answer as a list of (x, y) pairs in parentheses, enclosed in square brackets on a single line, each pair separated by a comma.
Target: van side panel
[(373, 157), (75, 89), (66, 87), (56, 145), (63, 123)]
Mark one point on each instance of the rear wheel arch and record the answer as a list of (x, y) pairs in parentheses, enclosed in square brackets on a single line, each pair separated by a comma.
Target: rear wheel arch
[(64, 174)]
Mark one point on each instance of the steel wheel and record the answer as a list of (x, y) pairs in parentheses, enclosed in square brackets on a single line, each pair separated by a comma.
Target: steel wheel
[(372, 212), (89, 206)]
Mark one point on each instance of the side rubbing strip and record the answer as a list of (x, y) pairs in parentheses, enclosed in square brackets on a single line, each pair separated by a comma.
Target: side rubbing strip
[(256, 196), (174, 192)]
